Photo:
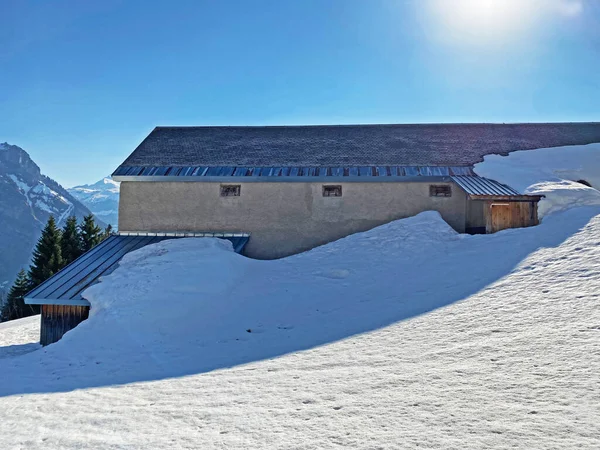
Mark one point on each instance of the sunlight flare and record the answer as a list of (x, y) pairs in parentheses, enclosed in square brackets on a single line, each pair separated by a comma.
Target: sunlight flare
[(485, 21)]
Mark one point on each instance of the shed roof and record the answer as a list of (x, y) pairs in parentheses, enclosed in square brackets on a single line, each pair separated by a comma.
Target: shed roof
[(350, 145), (480, 187), (66, 286), (483, 186)]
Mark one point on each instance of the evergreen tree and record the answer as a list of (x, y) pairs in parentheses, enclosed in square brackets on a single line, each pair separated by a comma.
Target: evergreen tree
[(47, 257), (15, 307), (70, 243), (108, 231), (3, 301), (91, 234)]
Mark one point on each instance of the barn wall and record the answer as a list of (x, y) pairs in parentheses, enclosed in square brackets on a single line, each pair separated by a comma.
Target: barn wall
[(58, 319), (283, 218)]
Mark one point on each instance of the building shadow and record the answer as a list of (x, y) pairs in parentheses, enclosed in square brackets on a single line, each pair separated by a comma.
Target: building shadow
[(17, 350)]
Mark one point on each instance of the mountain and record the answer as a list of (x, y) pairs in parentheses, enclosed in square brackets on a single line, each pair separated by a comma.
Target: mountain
[(102, 198), (27, 199)]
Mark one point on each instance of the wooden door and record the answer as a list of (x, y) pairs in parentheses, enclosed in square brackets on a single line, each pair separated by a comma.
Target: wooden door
[(501, 217)]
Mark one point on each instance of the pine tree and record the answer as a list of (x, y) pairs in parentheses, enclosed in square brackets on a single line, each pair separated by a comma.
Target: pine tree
[(15, 307), (91, 234), (3, 303), (108, 231), (47, 257), (70, 243)]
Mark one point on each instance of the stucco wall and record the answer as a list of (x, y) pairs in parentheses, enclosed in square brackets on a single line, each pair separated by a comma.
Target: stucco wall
[(475, 214), (283, 218)]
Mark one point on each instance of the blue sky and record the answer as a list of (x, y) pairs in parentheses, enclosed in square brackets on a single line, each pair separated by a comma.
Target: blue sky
[(82, 83)]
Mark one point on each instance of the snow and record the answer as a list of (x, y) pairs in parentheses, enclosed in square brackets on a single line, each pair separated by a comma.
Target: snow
[(42, 189), (102, 198), (24, 187), (20, 336), (553, 172), (41, 204), (102, 190), (40, 195), (107, 212), (405, 336)]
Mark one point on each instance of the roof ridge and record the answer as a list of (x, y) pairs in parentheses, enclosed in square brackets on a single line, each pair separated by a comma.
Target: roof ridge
[(342, 125)]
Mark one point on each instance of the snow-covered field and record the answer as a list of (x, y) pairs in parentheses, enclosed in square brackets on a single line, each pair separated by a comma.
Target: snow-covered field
[(406, 336)]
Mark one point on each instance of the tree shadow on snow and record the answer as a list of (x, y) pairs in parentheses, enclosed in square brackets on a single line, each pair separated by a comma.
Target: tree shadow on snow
[(304, 318)]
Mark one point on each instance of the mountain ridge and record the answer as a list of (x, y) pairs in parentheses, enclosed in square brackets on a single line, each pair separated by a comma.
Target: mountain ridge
[(27, 199)]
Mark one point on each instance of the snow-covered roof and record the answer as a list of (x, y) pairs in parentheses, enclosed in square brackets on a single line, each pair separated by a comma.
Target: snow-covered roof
[(350, 145), (66, 286)]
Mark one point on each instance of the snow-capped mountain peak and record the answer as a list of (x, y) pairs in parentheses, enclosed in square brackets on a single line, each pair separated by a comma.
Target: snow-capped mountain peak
[(102, 198)]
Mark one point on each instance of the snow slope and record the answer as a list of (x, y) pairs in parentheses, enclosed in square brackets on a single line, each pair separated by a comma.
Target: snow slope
[(553, 172), (406, 336), (102, 198)]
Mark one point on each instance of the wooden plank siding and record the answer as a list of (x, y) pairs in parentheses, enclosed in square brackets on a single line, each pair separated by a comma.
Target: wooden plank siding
[(500, 215), (58, 319)]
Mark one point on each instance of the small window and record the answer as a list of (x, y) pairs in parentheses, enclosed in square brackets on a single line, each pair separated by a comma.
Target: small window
[(230, 190), (440, 190), (332, 191)]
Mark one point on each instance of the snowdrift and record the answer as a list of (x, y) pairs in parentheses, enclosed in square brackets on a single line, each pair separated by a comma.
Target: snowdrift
[(553, 172), (506, 356), (190, 306), (406, 336)]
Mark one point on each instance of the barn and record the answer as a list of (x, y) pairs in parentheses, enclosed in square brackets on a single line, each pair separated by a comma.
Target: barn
[(279, 190), (296, 187)]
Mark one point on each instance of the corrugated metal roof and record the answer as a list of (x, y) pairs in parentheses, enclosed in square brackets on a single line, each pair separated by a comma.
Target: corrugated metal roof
[(484, 186), (66, 286), (200, 172), (350, 145)]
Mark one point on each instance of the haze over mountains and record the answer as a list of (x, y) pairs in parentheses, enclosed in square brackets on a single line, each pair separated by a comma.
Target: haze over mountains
[(27, 199)]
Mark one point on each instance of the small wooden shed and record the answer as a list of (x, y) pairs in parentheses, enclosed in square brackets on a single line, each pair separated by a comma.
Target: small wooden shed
[(63, 307), (492, 206)]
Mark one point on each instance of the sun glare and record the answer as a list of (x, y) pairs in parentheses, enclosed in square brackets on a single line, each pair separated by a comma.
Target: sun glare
[(484, 19)]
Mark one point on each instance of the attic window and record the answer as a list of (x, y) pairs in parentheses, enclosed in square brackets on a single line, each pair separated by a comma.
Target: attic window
[(332, 191), (230, 190), (440, 190)]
